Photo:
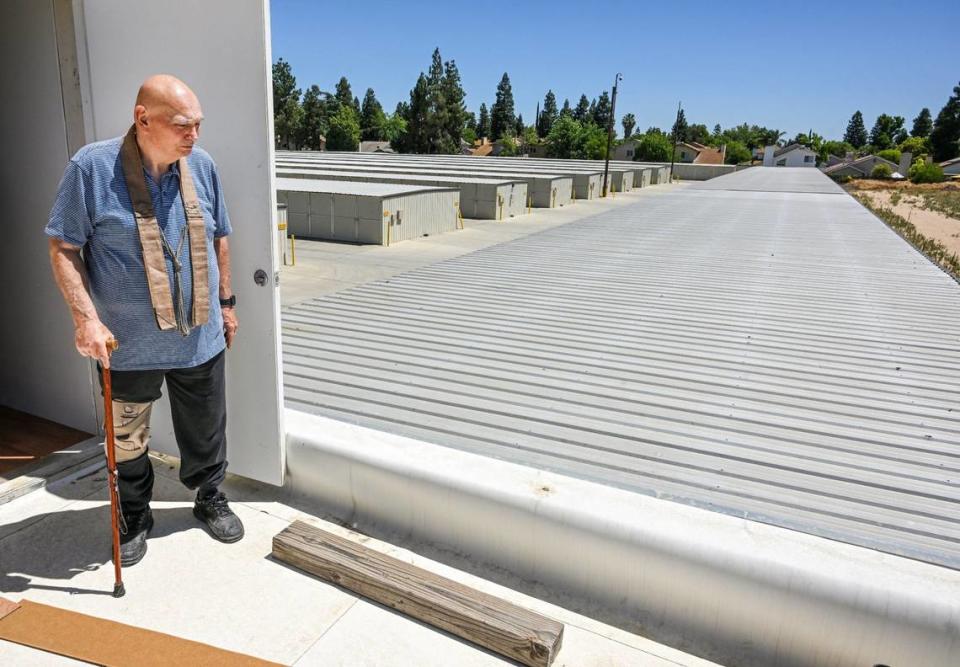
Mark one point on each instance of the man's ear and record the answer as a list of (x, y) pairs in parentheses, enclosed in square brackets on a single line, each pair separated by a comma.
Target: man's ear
[(140, 114)]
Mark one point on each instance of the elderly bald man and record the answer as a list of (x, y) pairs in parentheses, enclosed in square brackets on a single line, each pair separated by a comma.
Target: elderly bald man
[(148, 212)]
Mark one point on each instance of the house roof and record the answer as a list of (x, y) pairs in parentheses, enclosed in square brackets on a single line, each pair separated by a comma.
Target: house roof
[(789, 149), (705, 154), (860, 161), (947, 163)]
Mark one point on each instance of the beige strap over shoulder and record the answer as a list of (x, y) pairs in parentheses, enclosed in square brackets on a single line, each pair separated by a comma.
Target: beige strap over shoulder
[(169, 309)]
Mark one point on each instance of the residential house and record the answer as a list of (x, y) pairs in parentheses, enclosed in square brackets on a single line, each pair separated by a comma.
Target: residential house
[(859, 168), (695, 153), (951, 167), (794, 155)]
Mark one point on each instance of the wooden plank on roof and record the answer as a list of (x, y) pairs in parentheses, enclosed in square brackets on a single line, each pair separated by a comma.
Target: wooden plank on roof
[(495, 624)]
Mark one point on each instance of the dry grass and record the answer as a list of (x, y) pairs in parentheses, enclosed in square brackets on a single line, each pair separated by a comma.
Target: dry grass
[(936, 251)]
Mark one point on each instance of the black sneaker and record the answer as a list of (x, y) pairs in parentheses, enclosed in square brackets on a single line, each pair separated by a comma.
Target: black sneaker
[(216, 513), (133, 544)]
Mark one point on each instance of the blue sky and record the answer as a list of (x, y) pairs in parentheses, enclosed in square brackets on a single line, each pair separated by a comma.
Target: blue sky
[(792, 66)]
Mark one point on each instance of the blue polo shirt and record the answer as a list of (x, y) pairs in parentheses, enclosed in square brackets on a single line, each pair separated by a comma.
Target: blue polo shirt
[(93, 210)]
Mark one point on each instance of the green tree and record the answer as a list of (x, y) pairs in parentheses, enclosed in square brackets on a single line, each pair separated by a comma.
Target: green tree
[(891, 154), (502, 116), (483, 124), (882, 171), (679, 131), (717, 131), (837, 148), (508, 146), (888, 131), (519, 127), (455, 113), (418, 111), (530, 136), (654, 147), (917, 146), (856, 134), (737, 153), (563, 137), (314, 121), (394, 127), (591, 144), (946, 129), (582, 111), (549, 114), (372, 118), (437, 140), (566, 110), (343, 93), (601, 113), (698, 133), (470, 135), (287, 113), (922, 124), (344, 132), (629, 122)]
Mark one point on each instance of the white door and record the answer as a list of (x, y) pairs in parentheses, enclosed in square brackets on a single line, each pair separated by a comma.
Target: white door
[(220, 48)]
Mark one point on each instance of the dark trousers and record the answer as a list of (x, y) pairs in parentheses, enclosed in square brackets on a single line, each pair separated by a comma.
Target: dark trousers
[(199, 410)]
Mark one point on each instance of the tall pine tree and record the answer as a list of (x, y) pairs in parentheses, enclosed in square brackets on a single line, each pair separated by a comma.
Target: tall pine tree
[(922, 124), (566, 111), (503, 120), (372, 118), (679, 131), (456, 111), (582, 111), (856, 134), (418, 111), (343, 93), (315, 119), (483, 122), (946, 129), (601, 114), (549, 114), (287, 113)]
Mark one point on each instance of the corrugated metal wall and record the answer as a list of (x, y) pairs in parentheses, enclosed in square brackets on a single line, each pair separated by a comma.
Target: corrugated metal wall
[(421, 214)]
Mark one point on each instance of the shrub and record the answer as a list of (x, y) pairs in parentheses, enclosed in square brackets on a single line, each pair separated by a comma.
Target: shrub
[(737, 153), (921, 172), (891, 154), (881, 171), (653, 147)]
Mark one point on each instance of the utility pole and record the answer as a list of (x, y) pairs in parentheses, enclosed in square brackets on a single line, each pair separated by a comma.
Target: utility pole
[(673, 153), (613, 115)]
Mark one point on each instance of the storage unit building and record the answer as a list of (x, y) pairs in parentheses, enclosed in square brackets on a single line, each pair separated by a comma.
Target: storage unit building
[(376, 213), (482, 198), (546, 190), (587, 182)]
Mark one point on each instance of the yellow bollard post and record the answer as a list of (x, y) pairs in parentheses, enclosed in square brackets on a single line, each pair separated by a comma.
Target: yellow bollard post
[(293, 250), (500, 204), (529, 204)]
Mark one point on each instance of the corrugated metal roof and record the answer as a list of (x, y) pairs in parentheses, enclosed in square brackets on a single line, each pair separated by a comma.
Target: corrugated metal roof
[(773, 179), (371, 172), (782, 357), (351, 187)]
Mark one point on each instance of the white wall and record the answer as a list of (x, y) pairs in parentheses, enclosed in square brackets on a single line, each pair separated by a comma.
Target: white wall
[(40, 370), (221, 49), (796, 159)]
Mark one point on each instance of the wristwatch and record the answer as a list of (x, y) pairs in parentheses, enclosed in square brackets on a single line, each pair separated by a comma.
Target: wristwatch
[(229, 303)]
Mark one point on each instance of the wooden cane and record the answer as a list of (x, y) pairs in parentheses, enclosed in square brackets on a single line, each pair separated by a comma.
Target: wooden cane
[(118, 590)]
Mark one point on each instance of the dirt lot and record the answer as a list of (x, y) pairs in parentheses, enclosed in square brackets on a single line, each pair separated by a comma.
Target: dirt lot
[(933, 208)]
